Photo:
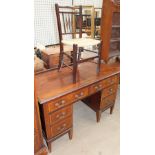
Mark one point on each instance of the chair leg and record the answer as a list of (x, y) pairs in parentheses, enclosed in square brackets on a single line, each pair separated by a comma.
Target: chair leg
[(99, 57), (79, 54), (60, 57), (74, 62)]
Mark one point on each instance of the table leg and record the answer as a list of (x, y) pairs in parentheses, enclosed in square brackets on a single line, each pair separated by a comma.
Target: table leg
[(70, 133), (98, 116), (49, 144)]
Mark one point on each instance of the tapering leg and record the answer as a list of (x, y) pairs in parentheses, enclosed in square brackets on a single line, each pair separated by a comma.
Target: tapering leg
[(70, 133), (98, 115), (111, 109), (60, 57), (49, 144), (74, 62)]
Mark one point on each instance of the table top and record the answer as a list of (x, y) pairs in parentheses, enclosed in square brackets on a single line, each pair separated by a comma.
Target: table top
[(52, 84)]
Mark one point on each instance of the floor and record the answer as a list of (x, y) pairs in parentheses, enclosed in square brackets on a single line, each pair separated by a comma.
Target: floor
[(89, 137)]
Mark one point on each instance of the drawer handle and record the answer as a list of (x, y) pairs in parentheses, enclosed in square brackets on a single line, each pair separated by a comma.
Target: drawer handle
[(110, 90), (61, 116), (62, 127), (98, 87), (59, 104), (79, 95)]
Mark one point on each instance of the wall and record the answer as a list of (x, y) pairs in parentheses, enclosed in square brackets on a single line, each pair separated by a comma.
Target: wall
[(45, 26)]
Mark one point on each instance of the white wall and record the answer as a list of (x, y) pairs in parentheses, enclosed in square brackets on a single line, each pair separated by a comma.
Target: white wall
[(45, 25)]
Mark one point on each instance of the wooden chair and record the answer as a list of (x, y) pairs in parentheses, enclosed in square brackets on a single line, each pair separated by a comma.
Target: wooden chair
[(69, 21)]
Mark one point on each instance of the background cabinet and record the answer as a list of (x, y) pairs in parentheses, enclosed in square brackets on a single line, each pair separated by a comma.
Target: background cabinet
[(110, 29)]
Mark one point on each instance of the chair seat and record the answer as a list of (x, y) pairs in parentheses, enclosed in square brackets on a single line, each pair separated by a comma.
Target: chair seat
[(81, 42)]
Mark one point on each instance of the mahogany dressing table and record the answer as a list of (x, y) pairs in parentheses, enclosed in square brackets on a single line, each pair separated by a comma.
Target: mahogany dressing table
[(57, 93)]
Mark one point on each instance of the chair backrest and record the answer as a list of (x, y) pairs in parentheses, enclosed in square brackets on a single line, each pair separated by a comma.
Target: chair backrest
[(69, 21)]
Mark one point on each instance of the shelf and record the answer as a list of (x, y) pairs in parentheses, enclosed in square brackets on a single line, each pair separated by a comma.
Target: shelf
[(114, 53), (115, 26), (114, 40)]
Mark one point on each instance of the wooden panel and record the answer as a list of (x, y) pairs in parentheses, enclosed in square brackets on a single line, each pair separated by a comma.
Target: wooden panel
[(116, 18), (105, 102), (60, 127), (59, 103), (110, 81), (38, 138), (96, 87), (60, 114), (115, 32), (110, 20), (51, 55), (109, 91), (78, 95)]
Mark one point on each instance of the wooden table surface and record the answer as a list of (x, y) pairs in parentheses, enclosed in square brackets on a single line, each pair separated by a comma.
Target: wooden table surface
[(53, 84)]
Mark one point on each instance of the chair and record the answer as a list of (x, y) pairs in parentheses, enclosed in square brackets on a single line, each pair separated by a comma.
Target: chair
[(70, 23)]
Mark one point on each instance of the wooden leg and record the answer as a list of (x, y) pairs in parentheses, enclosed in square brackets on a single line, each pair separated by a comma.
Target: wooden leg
[(71, 60), (60, 57), (111, 109), (70, 133), (49, 144), (74, 62), (79, 54), (98, 116)]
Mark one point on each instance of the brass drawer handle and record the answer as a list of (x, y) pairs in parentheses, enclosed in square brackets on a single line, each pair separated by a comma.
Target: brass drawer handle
[(61, 116), (62, 127), (98, 87), (79, 95), (110, 90), (59, 104), (63, 113)]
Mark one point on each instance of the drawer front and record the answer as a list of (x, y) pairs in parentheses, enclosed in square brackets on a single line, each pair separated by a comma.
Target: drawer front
[(60, 114), (110, 100), (61, 127), (109, 90), (78, 95), (96, 87), (110, 81), (58, 103)]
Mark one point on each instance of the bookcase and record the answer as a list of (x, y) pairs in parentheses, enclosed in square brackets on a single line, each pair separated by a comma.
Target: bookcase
[(110, 30)]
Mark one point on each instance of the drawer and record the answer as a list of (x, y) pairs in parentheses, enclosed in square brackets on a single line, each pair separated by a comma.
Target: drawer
[(61, 127), (78, 95), (110, 81), (110, 100), (109, 90), (60, 114), (58, 103), (96, 87)]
